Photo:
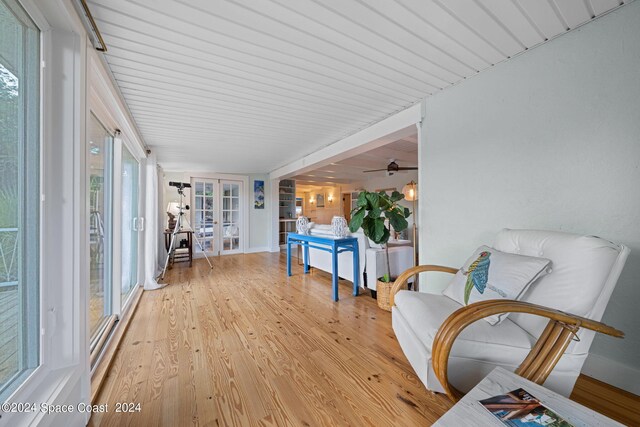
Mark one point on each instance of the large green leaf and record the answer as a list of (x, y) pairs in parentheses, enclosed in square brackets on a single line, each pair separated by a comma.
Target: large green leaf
[(362, 199), (384, 201), (397, 221), (374, 213), (357, 209), (374, 200), (396, 196), (385, 237), (356, 219), (379, 230), (368, 226)]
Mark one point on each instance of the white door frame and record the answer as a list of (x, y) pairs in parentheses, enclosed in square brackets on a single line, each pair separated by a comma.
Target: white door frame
[(244, 206)]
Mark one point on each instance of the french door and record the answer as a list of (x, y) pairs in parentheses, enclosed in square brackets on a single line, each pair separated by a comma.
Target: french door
[(217, 215)]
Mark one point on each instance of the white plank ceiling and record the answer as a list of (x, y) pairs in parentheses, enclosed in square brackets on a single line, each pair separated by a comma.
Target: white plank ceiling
[(403, 151), (250, 85)]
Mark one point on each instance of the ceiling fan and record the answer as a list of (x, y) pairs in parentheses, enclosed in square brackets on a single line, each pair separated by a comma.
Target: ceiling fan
[(393, 168)]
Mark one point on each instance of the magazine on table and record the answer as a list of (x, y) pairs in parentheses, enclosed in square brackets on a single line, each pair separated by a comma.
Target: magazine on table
[(519, 408)]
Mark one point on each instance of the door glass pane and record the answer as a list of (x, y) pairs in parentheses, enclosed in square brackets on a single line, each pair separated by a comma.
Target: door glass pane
[(19, 196), (130, 222), (99, 161), (203, 216), (230, 216)]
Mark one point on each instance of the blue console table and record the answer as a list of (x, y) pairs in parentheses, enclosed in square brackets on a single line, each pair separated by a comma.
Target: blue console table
[(335, 245)]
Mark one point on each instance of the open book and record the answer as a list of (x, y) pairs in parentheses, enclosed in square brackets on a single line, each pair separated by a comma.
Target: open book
[(519, 408)]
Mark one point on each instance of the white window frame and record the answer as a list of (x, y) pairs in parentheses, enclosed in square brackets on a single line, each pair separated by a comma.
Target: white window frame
[(32, 307), (63, 358)]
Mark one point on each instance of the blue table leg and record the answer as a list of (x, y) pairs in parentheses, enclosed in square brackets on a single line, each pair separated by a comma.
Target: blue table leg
[(288, 257), (334, 265), (356, 270), (306, 258)]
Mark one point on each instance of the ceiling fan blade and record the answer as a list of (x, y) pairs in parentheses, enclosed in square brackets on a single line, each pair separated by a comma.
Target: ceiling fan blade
[(413, 168), (375, 170)]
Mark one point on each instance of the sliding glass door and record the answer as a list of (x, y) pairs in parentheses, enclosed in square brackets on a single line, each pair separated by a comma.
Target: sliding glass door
[(131, 223), (113, 178), (99, 163), (19, 196)]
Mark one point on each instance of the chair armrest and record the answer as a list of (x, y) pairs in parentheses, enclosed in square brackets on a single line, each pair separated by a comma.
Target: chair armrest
[(542, 358), (404, 277)]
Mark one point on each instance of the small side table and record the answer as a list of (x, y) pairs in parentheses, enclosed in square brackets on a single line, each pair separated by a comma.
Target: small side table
[(180, 254), (333, 245), (470, 412)]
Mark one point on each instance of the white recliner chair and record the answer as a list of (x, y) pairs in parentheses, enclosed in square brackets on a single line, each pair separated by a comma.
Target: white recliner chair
[(585, 270)]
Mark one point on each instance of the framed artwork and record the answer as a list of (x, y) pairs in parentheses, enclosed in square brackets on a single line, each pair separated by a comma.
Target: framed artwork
[(320, 200), (258, 194)]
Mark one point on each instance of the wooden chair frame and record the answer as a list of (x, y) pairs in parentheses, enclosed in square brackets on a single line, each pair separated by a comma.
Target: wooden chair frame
[(542, 358)]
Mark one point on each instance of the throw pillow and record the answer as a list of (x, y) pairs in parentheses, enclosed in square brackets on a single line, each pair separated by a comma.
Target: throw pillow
[(492, 274)]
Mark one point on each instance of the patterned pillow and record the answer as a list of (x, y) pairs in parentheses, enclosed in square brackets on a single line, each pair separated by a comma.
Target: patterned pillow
[(492, 274)]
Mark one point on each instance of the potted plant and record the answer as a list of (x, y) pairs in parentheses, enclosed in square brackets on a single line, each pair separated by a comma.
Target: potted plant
[(371, 214)]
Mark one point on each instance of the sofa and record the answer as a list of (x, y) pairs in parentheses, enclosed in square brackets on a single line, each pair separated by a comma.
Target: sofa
[(372, 259)]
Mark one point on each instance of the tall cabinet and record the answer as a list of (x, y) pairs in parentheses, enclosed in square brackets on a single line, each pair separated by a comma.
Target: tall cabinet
[(287, 208)]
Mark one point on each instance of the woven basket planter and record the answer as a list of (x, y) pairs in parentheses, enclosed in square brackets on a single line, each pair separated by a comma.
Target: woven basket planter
[(383, 289)]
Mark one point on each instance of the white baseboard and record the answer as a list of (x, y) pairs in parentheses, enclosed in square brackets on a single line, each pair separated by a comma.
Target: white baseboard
[(613, 372), (275, 248), (257, 249)]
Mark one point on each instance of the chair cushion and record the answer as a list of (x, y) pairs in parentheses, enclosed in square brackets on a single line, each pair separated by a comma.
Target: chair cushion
[(581, 268), (495, 275), (505, 343)]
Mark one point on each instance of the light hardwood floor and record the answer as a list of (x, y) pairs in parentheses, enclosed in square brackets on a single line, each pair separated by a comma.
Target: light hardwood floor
[(246, 345)]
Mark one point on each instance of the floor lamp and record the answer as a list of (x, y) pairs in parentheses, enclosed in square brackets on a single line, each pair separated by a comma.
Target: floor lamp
[(410, 192)]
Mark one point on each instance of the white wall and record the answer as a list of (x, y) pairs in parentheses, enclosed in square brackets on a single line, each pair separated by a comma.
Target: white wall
[(259, 219), (549, 140)]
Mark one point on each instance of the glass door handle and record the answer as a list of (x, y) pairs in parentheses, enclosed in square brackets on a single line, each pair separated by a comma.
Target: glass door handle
[(141, 223), (135, 224)]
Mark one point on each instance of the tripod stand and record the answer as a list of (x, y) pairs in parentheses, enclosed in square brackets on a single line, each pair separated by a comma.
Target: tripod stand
[(176, 231)]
